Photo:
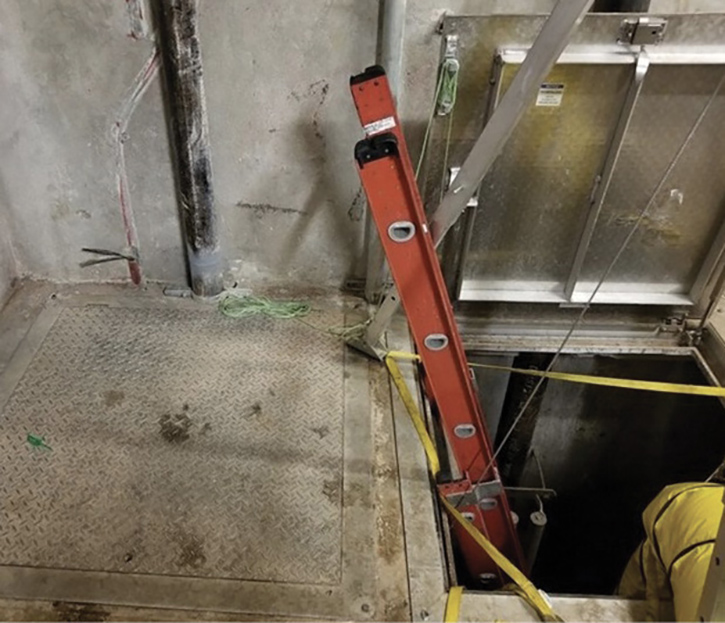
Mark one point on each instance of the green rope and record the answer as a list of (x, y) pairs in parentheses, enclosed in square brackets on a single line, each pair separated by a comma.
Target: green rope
[(429, 125), (345, 333), (353, 332), (449, 88), (245, 306)]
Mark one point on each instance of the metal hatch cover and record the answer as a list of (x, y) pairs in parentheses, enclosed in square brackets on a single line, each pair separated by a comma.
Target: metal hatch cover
[(533, 206), (194, 461)]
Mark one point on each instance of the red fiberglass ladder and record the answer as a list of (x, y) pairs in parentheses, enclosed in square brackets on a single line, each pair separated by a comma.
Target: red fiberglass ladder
[(389, 181)]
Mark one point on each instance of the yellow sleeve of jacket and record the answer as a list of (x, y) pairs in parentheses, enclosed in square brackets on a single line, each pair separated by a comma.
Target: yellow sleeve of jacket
[(681, 524)]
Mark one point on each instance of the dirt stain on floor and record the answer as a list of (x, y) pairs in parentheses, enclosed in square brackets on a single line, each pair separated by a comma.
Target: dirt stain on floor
[(321, 431), (390, 535), (175, 427), (331, 490), (191, 550), (79, 612), (113, 397)]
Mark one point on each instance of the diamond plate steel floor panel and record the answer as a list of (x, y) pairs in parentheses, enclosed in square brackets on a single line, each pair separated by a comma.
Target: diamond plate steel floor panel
[(182, 443)]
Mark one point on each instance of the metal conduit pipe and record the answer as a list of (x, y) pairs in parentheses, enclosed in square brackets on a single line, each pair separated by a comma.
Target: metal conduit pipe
[(390, 56), (392, 34), (178, 25)]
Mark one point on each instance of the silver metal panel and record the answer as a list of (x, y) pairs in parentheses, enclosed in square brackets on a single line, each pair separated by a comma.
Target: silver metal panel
[(522, 233), (294, 452), (531, 203), (673, 241), (550, 42)]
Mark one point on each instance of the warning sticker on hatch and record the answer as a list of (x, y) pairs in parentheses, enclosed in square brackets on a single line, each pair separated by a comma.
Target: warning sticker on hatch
[(376, 127), (550, 94)]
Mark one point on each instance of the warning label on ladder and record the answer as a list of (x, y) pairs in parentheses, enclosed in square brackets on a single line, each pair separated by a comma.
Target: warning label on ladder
[(376, 127)]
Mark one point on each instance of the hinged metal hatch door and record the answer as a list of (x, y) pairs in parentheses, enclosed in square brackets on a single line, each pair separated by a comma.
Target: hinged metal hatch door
[(615, 127)]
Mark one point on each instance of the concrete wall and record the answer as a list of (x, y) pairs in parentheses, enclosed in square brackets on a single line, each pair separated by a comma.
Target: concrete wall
[(7, 264), (282, 130)]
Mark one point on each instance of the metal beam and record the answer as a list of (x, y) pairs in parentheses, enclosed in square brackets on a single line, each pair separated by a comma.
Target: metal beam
[(610, 164), (549, 44), (516, 450)]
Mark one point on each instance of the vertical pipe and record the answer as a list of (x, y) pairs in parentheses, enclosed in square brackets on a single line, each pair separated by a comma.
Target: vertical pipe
[(392, 34), (538, 521), (181, 54), (391, 46), (515, 452)]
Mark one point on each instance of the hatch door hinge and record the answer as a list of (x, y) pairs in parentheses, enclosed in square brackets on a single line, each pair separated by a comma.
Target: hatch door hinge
[(644, 30), (690, 330)]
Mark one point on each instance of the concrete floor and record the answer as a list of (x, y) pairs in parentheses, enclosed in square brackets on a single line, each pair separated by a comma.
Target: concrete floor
[(89, 344)]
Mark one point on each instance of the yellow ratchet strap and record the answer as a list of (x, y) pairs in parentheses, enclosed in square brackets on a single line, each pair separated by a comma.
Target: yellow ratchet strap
[(453, 605), (650, 386), (412, 407), (607, 381), (526, 589)]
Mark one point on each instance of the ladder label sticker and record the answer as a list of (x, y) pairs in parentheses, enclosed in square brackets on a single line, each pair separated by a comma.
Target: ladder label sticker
[(550, 94), (379, 126)]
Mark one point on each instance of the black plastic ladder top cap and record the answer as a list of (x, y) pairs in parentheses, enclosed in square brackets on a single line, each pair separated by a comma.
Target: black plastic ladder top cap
[(374, 71), (372, 149)]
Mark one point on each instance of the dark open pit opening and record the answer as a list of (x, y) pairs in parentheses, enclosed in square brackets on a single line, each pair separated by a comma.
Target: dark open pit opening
[(605, 451)]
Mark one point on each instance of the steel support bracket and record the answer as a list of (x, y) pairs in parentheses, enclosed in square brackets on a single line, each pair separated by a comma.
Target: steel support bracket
[(464, 493), (452, 173)]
